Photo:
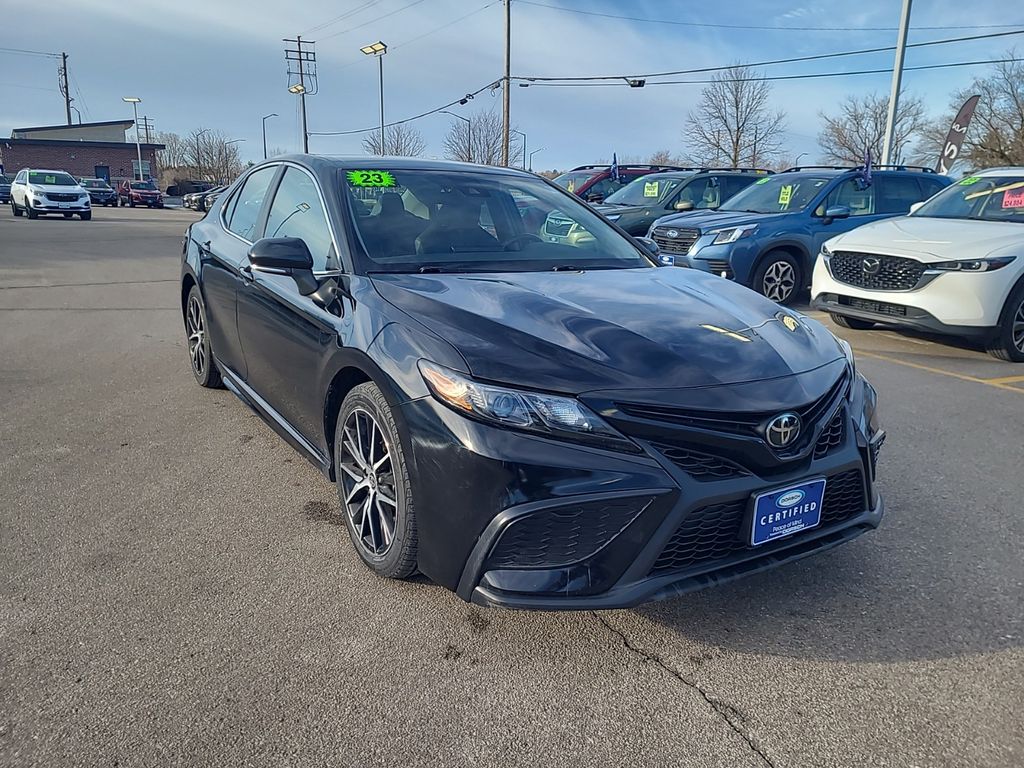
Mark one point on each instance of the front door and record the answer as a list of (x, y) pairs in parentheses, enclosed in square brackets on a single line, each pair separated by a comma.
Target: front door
[(849, 194), (102, 172)]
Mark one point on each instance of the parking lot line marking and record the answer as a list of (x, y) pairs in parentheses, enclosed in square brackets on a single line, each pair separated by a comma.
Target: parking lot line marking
[(997, 383), (1006, 380)]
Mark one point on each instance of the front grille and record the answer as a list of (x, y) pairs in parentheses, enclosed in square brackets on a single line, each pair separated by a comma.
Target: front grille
[(557, 226), (878, 307), (700, 466), (892, 273), (721, 267), (61, 197), (715, 532), (680, 243), (558, 537), (832, 436)]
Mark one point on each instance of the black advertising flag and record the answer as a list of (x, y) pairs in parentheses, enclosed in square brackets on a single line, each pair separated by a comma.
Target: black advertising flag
[(955, 137)]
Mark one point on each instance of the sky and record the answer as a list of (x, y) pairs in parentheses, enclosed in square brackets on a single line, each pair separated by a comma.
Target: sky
[(220, 64)]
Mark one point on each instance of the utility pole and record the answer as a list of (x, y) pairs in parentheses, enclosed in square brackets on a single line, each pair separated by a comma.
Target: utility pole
[(306, 61), (506, 106), (897, 77), (64, 85), (147, 125)]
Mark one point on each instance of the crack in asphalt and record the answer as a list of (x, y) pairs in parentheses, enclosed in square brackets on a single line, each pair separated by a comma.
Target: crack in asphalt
[(728, 713)]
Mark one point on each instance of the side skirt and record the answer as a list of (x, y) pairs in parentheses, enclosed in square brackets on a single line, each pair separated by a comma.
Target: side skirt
[(274, 420)]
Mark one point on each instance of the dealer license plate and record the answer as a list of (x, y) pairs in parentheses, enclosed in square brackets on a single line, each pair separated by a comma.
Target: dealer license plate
[(782, 513), (63, 205)]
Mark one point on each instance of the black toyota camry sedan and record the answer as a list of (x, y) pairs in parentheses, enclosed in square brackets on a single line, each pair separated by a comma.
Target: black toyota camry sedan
[(529, 420)]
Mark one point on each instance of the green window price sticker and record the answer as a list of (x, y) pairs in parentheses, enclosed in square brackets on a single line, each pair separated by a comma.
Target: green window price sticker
[(650, 189), (765, 180), (370, 179), (785, 194), (50, 180), (969, 180)]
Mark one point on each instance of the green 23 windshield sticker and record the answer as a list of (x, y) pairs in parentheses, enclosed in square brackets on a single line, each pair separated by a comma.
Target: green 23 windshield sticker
[(370, 179)]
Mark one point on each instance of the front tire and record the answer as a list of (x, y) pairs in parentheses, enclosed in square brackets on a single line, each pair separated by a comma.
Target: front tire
[(853, 323), (200, 353), (779, 277), (373, 484), (1008, 344), (87, 216), (31, 212)]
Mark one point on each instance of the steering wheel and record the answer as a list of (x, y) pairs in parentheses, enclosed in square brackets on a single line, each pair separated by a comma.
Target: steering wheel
[(528, 236)]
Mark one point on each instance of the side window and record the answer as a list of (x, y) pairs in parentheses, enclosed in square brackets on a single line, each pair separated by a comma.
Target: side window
[(21, 177), (929, 187), (297, 212), (601, 189), (702, 192), (897, 193), (861, 202), (733, 184), (245, 214)]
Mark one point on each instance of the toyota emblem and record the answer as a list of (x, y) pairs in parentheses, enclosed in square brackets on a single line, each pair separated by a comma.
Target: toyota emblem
[(672, 233), (871, 265), (783, 430)]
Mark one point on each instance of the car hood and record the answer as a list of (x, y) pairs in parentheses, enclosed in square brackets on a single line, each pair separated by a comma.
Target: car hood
[(607, 208), (930, 239), (705, 220), (574, 332)]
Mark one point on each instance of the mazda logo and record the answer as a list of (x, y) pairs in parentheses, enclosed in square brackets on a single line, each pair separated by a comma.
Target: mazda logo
[(871, 265), (672, 233), (782, 430)]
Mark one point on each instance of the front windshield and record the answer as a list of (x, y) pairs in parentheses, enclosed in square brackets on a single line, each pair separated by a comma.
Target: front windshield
[(466, 221), (988, 198), (95, 184), (573, 180), (777, 194), (647, 190), (144, 185), (51, 179)]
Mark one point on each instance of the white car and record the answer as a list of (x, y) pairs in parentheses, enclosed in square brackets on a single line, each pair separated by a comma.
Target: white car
[(955, 265), (39, 192)]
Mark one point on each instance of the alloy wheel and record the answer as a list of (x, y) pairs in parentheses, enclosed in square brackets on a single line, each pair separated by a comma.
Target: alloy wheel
[(1017, 328), (368, 482), (779, 281), (196, 335)]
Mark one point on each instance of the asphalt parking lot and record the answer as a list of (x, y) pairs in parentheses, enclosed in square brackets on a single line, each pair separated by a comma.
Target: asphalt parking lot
[(177, 587)]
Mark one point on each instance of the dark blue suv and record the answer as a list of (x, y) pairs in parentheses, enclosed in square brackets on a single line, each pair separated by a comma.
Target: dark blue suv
[(768, 235)]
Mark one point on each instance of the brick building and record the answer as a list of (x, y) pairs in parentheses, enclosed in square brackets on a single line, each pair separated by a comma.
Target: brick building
[(86, 149)]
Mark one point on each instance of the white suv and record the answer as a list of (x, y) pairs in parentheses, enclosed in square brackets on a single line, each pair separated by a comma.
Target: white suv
[(955, 265), (38, 192)]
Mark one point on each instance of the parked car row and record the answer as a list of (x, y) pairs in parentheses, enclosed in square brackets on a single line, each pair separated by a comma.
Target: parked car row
[(5, 187), (37, 192), (201, 201)]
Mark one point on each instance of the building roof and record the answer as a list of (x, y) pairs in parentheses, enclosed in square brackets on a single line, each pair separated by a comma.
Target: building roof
[(79, 143), (126, 123)]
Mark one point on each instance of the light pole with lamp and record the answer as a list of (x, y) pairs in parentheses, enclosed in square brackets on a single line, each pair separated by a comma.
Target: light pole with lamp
[(524, 145), (272, 114), (199, 157), (531, 156), (797, 163), (135, 101), (378, 49), (469, 133), (228, 144)]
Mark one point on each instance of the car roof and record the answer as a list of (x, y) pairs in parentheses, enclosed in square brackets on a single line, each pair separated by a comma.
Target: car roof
[(375, 162), (1013, 170)]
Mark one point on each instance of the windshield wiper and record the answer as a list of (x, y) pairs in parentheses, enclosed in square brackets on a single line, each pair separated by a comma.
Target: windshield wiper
[(566, 268)]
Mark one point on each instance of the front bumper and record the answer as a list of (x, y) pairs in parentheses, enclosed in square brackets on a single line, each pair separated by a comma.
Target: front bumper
[(513, 520)]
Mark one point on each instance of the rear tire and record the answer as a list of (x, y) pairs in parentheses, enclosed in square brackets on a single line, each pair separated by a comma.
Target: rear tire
[(779, 277), (15, 209), (373, 484), (1008, 344), (200, 353), (852, 323)]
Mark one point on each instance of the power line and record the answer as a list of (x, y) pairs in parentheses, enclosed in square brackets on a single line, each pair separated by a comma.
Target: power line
[(752, 26), (462, 100), (341, 17), (793, 60), (372, 21), (22, 51), (29, 87), (773, 78), (445, 26)]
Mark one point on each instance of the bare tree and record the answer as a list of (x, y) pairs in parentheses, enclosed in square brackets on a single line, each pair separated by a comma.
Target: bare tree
[(859, 125), (734, 125), (277, 151), (175, 150), (213, 158), (400, 140), (480, 141), (996, 134), (662, 157)]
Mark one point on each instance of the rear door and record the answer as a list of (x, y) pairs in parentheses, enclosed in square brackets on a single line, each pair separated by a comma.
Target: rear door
[(286, 336), (224, 255), (896, 193)]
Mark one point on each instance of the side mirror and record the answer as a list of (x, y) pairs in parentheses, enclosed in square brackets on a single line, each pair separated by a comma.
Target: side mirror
[(595, 197), (916, 206), (837, 212), (285, 256), (684, 205)]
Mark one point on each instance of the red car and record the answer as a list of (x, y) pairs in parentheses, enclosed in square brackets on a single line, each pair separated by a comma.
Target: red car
[(594, 183), (132, 193)]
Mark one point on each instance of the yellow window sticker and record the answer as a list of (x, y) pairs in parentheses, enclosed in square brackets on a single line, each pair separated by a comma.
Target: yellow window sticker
[(650, 189), (50, 180), (571, 186), (785, 194)]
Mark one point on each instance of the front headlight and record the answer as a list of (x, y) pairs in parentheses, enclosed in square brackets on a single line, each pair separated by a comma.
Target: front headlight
[(550, 415), (971, 265), (732, 234)]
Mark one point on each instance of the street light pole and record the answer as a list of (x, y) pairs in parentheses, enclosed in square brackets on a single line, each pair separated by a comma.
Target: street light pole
[(514, 130), (272, 114), (897, 77), (532, 154), (469, 133), (134, 101), (199, 157), (378, 49)]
